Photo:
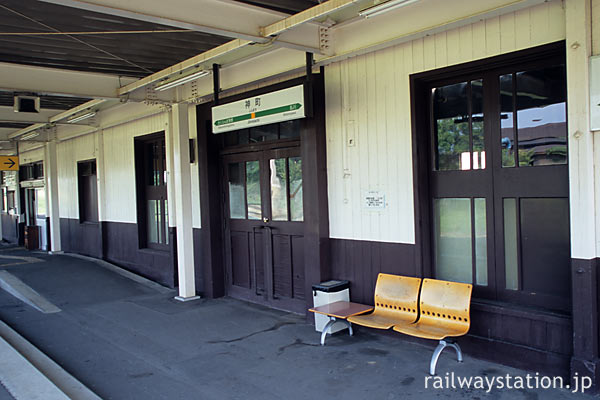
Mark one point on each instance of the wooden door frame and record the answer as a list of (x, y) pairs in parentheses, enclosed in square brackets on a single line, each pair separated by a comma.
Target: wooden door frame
[(421, 152), (314, 174)]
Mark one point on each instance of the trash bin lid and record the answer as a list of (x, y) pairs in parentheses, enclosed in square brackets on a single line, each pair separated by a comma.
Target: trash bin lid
[(332, 286)]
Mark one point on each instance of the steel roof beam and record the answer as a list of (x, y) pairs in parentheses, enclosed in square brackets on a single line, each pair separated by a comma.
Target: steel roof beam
[(305, 16), (7, 114), (40, 80), (228, 19)]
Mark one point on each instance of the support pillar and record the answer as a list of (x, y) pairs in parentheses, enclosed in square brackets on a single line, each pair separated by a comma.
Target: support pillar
[(585, 361), (100, 173), (51, 172), (182, 184)]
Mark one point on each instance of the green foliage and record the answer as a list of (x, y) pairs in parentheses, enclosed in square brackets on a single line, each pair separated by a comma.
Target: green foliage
[(452, 139)]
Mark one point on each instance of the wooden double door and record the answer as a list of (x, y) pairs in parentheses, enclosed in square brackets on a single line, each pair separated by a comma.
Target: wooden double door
[(264, 227)]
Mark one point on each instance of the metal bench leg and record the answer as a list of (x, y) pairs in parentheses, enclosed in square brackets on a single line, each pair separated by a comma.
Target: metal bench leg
[(327, 328), (456, 347), (438, 350)]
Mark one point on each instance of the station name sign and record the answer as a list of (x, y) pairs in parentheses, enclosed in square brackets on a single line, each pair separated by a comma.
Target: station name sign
[(269, 108)]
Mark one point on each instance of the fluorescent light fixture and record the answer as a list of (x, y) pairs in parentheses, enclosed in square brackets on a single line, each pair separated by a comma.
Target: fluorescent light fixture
[(181, 79), (384, 7), (29, 136), (81, 117)]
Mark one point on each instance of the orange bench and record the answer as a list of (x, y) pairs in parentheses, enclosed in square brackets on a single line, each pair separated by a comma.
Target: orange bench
[(444, 312), (428, 308)]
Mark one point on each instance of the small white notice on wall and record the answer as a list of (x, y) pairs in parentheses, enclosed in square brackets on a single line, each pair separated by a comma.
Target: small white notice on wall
[(374, 200)]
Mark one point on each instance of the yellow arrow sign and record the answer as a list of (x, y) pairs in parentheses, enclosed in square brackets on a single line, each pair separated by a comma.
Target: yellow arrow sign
[(9, 163)]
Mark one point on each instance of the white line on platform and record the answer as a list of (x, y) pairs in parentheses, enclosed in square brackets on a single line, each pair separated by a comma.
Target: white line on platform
[(21, 291)]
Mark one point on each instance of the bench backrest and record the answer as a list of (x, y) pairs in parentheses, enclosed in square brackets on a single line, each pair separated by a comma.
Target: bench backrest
[(445, 303), (397, 296)]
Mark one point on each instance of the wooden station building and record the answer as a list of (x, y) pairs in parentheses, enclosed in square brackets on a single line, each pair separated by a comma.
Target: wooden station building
[(254, 148)]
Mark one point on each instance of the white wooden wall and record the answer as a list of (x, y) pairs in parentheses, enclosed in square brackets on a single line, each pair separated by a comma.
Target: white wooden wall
[(596, 27), (119, 164), (368, 100), (30, 156), (68, 154)]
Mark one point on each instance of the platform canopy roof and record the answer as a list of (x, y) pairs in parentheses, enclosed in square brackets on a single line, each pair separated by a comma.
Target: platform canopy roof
[(81, 56)]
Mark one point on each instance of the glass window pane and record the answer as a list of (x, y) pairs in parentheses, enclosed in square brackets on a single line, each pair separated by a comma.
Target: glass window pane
[(480, 243), (545, 246), (237, 202), (453, 253), (40, 198), (477, 124), (451, 119), (296, 206), (166, 222), (507, 124), (152, 169), (153, 221), (289, 129), (542, 116), (253, 190), (264, 133), (235, 138), (278, 189), (511, 263)]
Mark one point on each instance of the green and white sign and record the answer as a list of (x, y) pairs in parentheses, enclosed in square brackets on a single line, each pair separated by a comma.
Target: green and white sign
[(279, 106)]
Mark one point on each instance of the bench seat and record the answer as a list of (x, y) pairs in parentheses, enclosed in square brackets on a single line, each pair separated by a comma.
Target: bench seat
[(374, 320), (443, 312), (396, 300), (428, 331)]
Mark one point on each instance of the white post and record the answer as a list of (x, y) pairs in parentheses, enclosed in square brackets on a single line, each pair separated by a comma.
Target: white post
[(183, 201), (581, 139), (99, 152), (51, 172)]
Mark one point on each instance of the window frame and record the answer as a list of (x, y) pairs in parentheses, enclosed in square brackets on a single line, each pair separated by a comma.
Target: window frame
[(85, 210), (423, 162), (146, 191)]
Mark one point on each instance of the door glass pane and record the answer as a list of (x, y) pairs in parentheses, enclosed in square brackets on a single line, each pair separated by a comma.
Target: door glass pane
[(511, 263), (253, 190), (480, 243), (235, 138), (507, 124), (542, 116), (279, 210), (153, 221), (264, 133), (545, 246), (453, 253), (477, 124), (296, 206), (289, 129), (451, 124), (237, 202)]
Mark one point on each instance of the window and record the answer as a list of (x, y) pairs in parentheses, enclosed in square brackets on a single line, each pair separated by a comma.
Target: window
[(285, 189), (152, 192), (265, 133), (40, 201), (498, 182), (31, 171), (88, 191), (10, 200)]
